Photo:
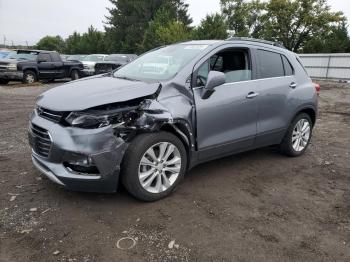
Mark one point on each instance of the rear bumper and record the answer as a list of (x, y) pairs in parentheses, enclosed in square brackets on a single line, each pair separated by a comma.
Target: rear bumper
[(11, 75), (68, 144)]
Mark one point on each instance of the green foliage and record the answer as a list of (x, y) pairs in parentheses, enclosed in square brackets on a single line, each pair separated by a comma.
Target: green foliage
[(135, 26), (93, 41), (292, 22), (244, 18), (211, 27), (336, 41), (129, 20), (51, 43), (163, 30)]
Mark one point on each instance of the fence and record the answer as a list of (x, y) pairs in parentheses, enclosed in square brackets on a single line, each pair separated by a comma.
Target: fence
[(327, 66)]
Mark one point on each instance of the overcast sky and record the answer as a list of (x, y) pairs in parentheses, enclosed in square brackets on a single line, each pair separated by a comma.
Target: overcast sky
[(29, 20)]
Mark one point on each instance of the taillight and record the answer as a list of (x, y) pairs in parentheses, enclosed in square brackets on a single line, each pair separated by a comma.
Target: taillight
[(318, 88)]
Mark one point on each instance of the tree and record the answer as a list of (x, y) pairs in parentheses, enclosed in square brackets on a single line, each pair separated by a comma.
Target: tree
[(163, 30), (212, 27), (336, 41), (243, 17), (295, 22), (51, 43), (73, 44), (93, 41), (129, 20), (292, 22)]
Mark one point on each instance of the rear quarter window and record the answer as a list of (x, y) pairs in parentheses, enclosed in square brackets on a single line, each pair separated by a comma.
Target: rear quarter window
[(288, 68)]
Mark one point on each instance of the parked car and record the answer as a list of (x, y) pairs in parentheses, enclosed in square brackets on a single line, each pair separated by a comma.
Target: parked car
[(33, 65), (89, 63), (4, 53), (113, 62), (64, 57), (76, 58), (147, 128)]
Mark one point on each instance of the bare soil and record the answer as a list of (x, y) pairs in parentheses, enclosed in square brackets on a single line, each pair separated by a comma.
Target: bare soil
[(255, 206)]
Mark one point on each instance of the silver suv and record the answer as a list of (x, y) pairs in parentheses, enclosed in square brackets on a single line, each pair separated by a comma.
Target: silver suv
[(175, 107)]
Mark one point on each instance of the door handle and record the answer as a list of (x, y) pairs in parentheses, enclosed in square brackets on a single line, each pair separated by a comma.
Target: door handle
[(293, 85), (252, 95)]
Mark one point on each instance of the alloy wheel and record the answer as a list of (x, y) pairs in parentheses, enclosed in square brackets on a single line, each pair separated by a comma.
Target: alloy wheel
[(159, 167), (301, 135)]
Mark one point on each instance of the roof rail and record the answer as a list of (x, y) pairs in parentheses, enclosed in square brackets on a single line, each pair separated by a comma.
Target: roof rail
[(278, 44)]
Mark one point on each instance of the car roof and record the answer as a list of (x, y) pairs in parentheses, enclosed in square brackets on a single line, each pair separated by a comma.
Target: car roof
[(240, 40), (33, 51)]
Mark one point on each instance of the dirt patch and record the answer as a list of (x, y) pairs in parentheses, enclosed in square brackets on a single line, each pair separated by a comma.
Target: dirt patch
[(255, 206)]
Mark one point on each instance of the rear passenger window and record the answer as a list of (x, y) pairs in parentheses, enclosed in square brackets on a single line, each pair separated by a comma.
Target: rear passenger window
[(55, 57), (288, 69), (44, 57), (270, 64)]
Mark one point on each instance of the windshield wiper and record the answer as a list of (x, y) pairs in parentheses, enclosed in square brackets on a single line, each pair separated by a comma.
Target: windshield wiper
[(127, 78)]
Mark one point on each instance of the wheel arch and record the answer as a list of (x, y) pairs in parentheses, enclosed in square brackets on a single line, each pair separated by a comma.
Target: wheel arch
[(181, 131), (33, 69), (310, 111)]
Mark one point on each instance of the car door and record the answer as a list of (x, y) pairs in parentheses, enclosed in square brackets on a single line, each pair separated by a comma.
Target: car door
[(59, 70), (46, 67), (226, 121), (276, 81)]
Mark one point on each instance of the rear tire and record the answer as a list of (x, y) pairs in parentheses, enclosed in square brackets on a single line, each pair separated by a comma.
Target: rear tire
[(74, 75), (4, 81), (298, 136), (150, 178), (29, 77)]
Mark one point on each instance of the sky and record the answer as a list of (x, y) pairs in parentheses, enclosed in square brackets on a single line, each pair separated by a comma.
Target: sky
[(30, 20)]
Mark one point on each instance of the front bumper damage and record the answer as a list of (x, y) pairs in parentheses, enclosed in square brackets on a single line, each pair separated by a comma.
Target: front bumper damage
[(101, 146), (104, 146)]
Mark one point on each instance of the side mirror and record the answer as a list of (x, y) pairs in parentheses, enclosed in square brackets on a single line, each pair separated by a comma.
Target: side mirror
[(215, 78)]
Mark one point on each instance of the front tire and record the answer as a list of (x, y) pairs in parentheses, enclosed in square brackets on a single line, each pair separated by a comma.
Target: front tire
[(153, 165), (298, 136), (74, 75), (29, 77)]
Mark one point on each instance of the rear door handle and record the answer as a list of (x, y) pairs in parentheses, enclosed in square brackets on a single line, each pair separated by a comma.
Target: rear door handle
[(293, 85), (252, 95)]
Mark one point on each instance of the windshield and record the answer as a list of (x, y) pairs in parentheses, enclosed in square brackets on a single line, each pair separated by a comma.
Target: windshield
[(161, 64), (93, 58), (31, 56)]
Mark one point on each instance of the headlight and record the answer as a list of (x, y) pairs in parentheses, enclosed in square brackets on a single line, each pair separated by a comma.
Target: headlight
[(84, 120), (12, 66)]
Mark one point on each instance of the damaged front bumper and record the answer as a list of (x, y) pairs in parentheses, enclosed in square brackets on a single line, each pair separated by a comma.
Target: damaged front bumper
[(78, 159)]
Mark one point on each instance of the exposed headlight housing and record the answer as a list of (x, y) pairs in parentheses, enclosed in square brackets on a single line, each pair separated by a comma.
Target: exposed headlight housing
[(84, 120)]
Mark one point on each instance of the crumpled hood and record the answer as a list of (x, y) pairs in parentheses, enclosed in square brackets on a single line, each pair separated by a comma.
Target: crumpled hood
[(95, 91)]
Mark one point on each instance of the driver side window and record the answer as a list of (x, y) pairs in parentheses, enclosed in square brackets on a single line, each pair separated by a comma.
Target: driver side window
[(234, 63)]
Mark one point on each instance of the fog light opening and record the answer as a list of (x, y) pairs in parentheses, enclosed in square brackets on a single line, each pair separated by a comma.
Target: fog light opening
[(83, 166)]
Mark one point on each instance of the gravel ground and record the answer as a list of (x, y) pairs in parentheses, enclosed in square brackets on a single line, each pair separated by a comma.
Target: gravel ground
[(255, 206)]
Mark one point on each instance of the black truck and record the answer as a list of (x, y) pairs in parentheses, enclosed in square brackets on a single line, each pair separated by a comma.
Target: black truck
[(30, 66)]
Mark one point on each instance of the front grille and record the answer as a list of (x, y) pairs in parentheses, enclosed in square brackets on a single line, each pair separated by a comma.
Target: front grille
[(51, 115), (40, 141)]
